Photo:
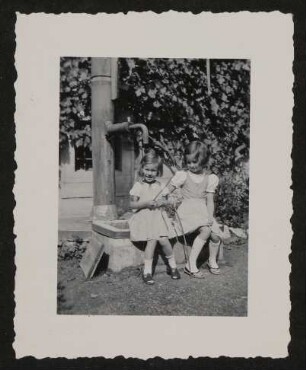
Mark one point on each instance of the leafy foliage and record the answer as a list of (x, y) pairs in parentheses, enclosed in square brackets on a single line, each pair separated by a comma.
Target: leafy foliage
[(177, 101), (69, 249), (171, 97), (75, 107), (233, 196)]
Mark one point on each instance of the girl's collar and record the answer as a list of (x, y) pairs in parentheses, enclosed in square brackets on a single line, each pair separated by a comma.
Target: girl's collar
[(151, 183), (204, 172)]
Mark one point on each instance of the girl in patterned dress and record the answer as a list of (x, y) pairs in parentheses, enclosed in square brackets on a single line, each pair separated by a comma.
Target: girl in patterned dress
[(149, 221), (197, 208)]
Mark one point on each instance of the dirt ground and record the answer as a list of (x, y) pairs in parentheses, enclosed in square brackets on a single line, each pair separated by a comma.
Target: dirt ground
[(125, 293)]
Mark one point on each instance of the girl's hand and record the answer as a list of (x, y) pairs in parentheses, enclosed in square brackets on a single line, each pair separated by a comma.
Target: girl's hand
[(161, 203), (210, 222), (152, 204)]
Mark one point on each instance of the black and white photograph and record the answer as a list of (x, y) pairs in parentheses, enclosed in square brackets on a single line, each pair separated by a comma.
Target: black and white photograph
[(153, 186), (153, 190)]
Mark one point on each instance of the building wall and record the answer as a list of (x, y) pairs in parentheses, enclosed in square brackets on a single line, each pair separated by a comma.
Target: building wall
[(76, 187)]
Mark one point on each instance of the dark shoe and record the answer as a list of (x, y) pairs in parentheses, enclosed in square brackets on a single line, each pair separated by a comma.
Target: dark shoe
[(148, 279), (173, 272)]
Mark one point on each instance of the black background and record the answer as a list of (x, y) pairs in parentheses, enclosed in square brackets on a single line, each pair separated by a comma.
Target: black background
[(296, 359)]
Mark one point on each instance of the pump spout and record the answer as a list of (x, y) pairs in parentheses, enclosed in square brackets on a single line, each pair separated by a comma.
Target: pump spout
[(117, 127), (126, 126), (144, 129)]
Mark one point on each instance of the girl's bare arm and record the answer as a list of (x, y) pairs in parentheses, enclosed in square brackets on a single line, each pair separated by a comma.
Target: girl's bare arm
[(171, 188), (163, 200), (167, 190), (210, 207), (136, 204)]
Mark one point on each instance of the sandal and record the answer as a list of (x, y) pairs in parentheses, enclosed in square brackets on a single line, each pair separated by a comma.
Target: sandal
[(148, 279), (173, 272), (198, 274), (213, 270)]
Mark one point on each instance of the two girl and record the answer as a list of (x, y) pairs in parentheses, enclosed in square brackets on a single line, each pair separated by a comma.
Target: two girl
[(195, 212)]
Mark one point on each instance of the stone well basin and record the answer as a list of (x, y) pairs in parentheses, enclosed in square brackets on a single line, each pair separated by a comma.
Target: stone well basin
[(116, 229)]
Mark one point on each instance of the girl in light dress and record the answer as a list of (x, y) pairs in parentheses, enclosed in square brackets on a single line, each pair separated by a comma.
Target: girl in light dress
[(197, 208), (149, 222)]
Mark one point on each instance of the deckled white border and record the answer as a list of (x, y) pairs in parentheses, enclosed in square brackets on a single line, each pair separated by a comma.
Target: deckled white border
[(266, 39)]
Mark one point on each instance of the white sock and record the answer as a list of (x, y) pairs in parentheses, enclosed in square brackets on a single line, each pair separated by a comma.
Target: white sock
[(197, 246), (213, 253), (171, 261), (220, 256), (148, 266)]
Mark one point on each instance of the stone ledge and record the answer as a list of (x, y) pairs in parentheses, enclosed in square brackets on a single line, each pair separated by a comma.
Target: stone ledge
[(121, 253)]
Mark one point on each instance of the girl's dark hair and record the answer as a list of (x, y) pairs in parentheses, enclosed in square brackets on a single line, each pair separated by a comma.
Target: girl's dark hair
[(197, 150), (151, 157)]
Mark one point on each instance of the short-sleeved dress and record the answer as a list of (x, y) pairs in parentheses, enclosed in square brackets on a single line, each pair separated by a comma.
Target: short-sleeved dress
[(147, 224), (193, 212)]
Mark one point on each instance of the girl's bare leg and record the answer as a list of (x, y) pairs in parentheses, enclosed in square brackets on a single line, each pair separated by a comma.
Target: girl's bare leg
[(148, 256), (197, 246), (214, 245), (220, 257), (167, 249)]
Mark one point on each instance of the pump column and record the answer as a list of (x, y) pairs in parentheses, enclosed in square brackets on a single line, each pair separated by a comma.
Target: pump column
[(104, 207)]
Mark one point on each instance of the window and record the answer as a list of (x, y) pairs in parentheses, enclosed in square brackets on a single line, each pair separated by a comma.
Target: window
[(83, 158)]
